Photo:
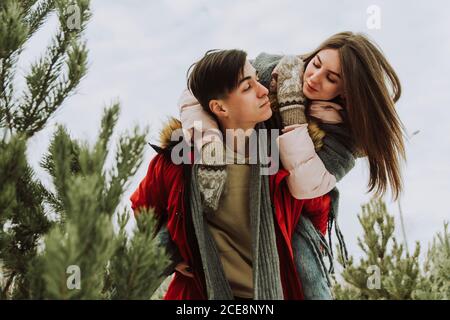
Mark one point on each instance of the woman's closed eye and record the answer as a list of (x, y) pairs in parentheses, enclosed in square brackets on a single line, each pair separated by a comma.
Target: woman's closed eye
[(328, 78), (331, 80)]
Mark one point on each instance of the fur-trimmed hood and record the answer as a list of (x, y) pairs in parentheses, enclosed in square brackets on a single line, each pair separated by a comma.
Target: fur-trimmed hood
[(165, 134)]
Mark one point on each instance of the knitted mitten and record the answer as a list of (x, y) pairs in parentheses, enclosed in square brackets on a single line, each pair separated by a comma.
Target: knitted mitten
[(289, 90), (212, 175)]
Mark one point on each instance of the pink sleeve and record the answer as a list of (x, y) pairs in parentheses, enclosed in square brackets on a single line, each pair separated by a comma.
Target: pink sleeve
[(308, 176), (194, 117)]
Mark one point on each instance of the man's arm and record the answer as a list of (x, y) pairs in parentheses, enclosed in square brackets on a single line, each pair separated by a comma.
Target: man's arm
[(165, 241), (151, 192)]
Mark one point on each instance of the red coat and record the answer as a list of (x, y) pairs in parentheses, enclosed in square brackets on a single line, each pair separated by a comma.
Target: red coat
[(164, 189)]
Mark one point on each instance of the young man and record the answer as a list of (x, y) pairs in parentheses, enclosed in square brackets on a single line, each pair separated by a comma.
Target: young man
[(238, 246)]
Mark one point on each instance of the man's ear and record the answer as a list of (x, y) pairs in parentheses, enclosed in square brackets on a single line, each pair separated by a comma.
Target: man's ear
[(217, 107)]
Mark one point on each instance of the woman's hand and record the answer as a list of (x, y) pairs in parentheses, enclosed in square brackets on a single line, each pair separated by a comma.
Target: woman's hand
[(184, 269), (289, 90)]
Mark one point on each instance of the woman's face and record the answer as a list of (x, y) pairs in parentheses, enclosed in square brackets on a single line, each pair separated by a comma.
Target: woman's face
[(322, 76)]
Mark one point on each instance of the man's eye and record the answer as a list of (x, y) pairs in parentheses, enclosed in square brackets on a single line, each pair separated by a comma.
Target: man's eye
[(247, 88)]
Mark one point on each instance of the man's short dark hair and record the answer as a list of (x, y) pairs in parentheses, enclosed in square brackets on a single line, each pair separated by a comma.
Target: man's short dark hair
[(216, 75)]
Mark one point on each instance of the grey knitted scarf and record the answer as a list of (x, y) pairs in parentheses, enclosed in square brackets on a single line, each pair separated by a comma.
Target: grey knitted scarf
[(266, 267)]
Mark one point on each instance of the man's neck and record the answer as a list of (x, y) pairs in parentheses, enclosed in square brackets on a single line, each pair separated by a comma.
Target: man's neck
[(237, 137)]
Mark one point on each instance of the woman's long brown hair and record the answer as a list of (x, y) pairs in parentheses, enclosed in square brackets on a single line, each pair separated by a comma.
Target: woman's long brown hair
[(371, 87)]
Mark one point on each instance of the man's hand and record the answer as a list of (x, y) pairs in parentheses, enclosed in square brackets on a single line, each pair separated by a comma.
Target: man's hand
[(184, 269)]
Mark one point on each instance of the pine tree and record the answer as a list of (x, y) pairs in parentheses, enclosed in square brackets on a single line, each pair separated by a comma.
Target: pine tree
[(386, 270), (434, 284), (59, 242)]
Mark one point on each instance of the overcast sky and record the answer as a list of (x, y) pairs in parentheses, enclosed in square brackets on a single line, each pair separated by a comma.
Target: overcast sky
[(140, 52)]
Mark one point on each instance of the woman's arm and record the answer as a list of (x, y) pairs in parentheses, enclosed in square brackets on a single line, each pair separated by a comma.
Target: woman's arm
[(193, 117), (312, 173), (309, 178), (336, 152)]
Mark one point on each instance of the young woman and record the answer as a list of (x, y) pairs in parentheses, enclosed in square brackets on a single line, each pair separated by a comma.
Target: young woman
[(347, 89)]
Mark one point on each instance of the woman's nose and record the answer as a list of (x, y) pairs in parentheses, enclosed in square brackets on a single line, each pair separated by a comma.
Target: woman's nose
[(314, 78)]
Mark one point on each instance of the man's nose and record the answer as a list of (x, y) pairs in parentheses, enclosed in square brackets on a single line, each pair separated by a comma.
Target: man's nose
[(262, 91)]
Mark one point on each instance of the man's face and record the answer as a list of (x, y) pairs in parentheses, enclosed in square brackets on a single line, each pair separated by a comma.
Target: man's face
[(246, 105)]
